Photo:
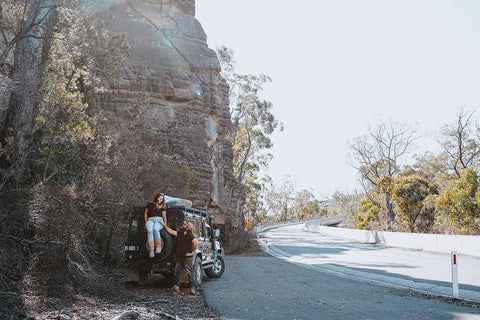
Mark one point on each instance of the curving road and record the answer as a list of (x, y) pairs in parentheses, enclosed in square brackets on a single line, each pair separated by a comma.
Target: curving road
[(424, 271), (327, 280)]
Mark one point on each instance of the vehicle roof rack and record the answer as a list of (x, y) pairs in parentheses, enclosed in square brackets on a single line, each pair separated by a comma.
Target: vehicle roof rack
[(201, 212)]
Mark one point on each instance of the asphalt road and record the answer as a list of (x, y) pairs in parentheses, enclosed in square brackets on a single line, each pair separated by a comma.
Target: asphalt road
[(270, 288), (426, 271)]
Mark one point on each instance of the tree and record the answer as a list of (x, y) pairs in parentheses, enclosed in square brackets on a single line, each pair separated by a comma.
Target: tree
[(278, 199), (434, 169), (460, 143), (414, 199), (349, 204), (458, 206), (20, 20), (368, 215), (252, 117), (376, 157), (66, 194), (305, 205), (252, 124)]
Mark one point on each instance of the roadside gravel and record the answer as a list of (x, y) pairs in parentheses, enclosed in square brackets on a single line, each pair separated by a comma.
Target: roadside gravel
[(154, 300)]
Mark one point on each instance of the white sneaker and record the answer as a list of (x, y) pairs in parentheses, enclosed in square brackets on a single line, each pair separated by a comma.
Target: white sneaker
[(151, 254), (158, 249)]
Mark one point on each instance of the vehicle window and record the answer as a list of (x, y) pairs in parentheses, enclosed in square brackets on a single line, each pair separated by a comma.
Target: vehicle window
[(133, 230), (199, 226)]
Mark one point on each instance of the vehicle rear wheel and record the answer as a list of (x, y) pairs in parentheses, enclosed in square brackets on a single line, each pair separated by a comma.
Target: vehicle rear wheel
[(197, 272), (217, 269)]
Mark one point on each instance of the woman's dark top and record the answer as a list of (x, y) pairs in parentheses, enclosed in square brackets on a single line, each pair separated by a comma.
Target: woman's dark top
[(153, 210), (184, 244)]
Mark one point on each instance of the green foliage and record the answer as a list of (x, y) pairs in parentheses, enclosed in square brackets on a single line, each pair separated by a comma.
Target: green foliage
[(369, 213), (71, 205), (252, 124), (413, 196), (458, 206), (376, 157), (176, 179), (305, 205), (255, 199), (349, 204)]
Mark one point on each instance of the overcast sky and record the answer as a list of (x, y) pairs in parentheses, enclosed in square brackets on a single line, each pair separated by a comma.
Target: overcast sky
[(339, 65)]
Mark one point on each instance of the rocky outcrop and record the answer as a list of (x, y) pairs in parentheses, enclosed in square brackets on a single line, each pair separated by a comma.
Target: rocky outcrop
[(171, 100)]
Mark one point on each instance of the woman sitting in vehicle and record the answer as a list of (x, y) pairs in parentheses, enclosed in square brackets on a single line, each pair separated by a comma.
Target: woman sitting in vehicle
[(155, 212)]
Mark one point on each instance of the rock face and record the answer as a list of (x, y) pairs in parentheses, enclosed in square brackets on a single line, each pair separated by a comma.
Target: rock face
[(171, 100)]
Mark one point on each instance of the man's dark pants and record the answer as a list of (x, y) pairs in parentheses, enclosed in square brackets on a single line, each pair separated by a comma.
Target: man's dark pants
[(187, 265)]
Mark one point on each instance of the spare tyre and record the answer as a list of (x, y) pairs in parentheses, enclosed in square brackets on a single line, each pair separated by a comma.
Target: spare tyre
[(167, 245)]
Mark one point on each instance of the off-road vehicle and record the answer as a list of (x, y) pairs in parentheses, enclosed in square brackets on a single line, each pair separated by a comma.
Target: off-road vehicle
[(208, 255)]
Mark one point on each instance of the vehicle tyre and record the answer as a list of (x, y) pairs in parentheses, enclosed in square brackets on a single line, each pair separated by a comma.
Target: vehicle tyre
[(167, 245), (197, 272), (218, 268)]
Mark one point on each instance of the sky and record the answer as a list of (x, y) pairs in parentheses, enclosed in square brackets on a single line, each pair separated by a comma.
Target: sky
[(338, 66)]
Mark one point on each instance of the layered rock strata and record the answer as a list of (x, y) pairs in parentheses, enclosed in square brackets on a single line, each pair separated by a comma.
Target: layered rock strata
[(171, 100)]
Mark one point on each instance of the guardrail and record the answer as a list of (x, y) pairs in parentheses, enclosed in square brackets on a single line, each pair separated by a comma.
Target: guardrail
[(262, 228), (327, 221), (469, 245), (322, 221)]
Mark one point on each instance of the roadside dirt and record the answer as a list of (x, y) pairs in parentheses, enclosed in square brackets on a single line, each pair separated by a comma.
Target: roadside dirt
[(154, 300), (115, 297)]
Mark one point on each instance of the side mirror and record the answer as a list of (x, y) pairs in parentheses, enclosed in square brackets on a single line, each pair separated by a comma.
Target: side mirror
[(217, 233)]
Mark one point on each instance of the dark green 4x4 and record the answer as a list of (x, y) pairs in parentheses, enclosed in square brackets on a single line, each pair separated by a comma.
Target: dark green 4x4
[(208, 255)]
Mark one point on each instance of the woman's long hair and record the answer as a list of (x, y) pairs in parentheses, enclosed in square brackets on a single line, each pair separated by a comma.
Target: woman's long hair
[(155, 200)]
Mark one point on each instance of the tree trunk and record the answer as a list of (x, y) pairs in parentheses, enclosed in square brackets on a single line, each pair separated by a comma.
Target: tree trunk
[(390, 212)]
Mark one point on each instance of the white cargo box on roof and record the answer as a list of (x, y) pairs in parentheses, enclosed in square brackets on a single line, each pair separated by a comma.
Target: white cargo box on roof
[(177, 202)]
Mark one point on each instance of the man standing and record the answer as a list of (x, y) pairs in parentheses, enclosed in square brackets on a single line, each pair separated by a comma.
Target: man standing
[(186, 246)]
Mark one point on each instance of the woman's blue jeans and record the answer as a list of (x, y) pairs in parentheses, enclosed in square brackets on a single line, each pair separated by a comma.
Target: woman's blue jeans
[(153, 228)]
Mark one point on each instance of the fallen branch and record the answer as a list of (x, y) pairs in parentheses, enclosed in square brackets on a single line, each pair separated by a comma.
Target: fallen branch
[(148, 302), (168, 316), (127, 314), (11, 294), (28, 242)]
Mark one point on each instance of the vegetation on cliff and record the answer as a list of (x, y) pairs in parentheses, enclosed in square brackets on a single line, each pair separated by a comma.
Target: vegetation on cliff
[(66, 185)]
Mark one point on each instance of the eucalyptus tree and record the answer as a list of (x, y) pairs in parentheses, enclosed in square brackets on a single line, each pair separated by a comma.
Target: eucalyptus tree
[(253, 123), (376, 157), (460, 141), (414, 196)]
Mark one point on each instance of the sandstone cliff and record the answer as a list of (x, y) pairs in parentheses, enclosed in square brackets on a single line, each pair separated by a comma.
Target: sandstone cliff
[(171, 101)]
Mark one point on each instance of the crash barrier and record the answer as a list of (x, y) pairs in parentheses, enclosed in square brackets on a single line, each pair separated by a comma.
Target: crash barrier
[(329, 221), (469, 245), (266, 227), (326, 221)]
